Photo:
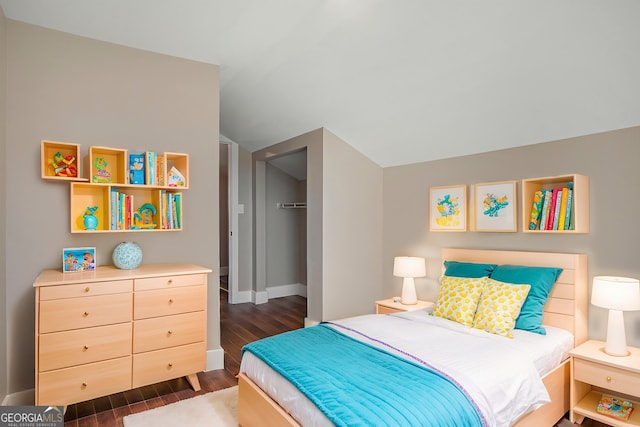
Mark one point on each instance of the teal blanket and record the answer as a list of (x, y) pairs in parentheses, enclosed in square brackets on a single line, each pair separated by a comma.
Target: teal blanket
[(356, 384)]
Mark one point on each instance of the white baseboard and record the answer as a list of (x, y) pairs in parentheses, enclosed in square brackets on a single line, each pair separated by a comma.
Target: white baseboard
[(215, 359), (242, 296), (286, 290), (260, 297), (21, 398)]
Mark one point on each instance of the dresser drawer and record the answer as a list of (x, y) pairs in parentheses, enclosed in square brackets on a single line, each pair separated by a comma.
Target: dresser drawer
[(381, 309), (168, 331), (80, 383), (606, 377), (161, 365), (75, 313), (69, 348), (85, 289), (165, 302), (169, 282)]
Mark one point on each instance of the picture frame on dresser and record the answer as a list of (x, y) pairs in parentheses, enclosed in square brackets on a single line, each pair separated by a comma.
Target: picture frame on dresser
[(78, 259), (495, 207), (448, 208)]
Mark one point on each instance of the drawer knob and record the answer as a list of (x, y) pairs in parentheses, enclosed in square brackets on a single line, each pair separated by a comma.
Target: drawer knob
[(84, 385), (87, 289), (170, 365), (170, 300), (170, 281), (85, 314), (169, 333), (608, 379), (85, 348)]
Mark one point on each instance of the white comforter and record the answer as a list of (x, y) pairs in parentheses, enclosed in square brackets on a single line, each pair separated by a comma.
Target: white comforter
[(502, 375)]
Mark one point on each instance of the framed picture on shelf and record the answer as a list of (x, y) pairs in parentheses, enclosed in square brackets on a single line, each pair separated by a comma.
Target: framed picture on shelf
[(78, 259), (448, 208), (494, 207)]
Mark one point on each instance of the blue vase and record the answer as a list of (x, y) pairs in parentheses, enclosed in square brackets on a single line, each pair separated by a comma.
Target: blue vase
[(127, 256), (90, 222)]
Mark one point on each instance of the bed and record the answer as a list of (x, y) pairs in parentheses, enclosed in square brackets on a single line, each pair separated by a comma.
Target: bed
[(565, 313)]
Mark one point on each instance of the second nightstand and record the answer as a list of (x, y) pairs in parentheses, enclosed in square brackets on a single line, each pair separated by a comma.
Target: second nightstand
[(388, 306), (594, 372)]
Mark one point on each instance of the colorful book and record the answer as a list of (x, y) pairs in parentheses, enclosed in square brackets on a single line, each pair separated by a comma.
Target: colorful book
[(552, 209), (545, 210), (536, 210), (567, 220), (136, 168), (556, 213), (614, 407), (563, 208)]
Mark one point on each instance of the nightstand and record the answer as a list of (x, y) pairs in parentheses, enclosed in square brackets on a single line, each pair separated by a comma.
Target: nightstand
[(594, 372), (388, 306)]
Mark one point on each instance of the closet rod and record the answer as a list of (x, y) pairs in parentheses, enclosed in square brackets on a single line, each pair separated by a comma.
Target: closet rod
[(291, 205)]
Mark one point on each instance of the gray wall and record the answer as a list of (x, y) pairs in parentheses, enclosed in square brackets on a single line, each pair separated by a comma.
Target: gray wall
[(352, 224), (3, 206), (344, 223), (282, 233), (68, 88), (610, 160)]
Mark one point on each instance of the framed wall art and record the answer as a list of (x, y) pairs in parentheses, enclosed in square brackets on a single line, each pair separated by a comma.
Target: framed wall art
[(78, 259), (494, 207), (448, 208)]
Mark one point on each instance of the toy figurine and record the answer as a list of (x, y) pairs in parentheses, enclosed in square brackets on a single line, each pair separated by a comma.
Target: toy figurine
[(143, 217), (90, 220), (63, 165), (102, 174)]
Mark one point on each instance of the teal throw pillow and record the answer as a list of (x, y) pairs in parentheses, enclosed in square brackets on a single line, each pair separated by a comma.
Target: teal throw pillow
[(467, 269), (541, 280)]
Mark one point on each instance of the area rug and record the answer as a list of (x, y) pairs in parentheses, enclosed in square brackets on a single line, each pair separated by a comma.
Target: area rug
[(218, 408)]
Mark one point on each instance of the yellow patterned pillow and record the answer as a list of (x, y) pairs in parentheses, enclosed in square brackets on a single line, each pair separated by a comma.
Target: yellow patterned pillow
[(499, 307), (458, 298)]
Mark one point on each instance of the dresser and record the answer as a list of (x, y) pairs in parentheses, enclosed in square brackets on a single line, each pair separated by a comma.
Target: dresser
[(109, 330)]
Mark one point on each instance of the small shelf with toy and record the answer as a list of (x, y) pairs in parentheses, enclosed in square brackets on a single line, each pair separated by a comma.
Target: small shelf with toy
[(60, 161), (124, 192), (119, 208)]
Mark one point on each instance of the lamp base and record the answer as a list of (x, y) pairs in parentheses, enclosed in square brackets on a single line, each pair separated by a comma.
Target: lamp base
[(408, 296), (616, 338)]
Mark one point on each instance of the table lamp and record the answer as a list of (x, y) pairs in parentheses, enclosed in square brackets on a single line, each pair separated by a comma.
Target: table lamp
[(618, 294), (408, 268)]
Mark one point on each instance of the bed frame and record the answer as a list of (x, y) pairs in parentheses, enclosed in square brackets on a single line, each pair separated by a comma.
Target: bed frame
[(566, 309)]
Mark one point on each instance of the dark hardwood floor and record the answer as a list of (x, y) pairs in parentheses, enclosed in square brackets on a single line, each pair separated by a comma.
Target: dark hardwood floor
[(239, 324)]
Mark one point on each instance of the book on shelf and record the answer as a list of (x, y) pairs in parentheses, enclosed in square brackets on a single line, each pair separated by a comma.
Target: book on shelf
[(568, 222), (136, 168), (563, 208), (558, 208), (615, 407), (536, 210), (552, 209), (545, 209)]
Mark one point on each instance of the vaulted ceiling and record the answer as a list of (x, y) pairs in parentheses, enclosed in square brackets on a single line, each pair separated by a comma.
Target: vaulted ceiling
[(402, 81)]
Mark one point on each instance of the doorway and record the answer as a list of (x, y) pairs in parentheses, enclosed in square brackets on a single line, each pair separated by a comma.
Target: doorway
[(228, 205)]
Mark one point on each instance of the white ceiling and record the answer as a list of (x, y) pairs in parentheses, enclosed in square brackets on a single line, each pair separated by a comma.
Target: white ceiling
[(402, 81)]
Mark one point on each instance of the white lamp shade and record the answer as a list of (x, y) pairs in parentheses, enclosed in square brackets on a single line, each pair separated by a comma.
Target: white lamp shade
[(406, 266), (616, 293)]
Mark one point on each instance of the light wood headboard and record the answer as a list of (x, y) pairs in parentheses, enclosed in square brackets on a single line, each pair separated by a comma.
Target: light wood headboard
[(568, 302)]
